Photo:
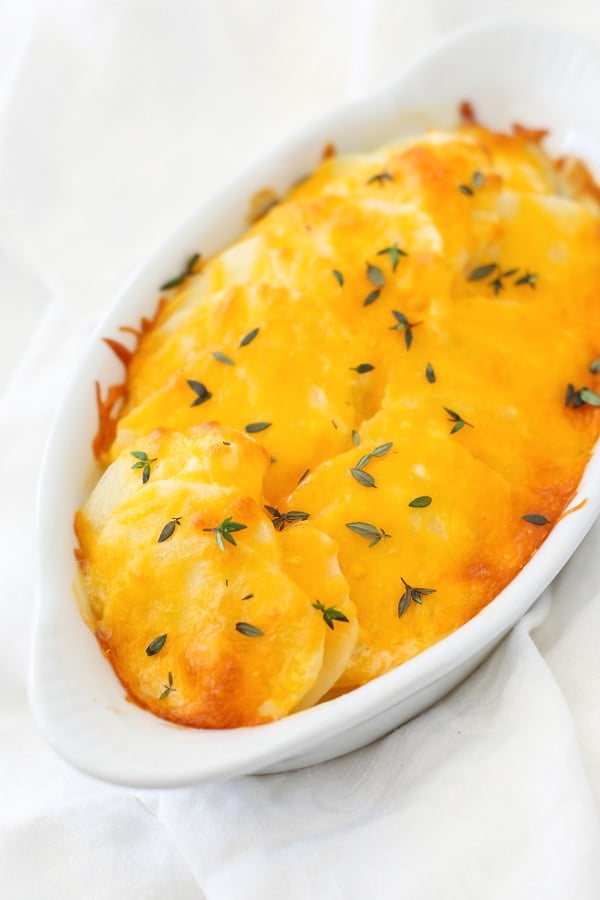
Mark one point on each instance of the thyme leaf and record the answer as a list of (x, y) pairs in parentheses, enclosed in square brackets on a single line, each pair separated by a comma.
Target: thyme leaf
[(222, 358), (364, 478), (413, 594), (529, 278), (248, 338), (338, 277), (362, 368), (280, 520), (429, 373), (143, 462), (179, 279), (355, 438), (536, 519), (224, 532), (375, 275), (420, 502), (156, 645), (482, 272), (255, 427), (248, 630), (168, 688), (201, 392), (594, 366), (457, 419), (380, 178), (402, 324), (168, 529), (330, 614), (364, 529), (394, 252), (371, 298)]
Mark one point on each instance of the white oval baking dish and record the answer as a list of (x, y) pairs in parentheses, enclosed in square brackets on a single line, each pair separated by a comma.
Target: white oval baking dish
[(537, 75)]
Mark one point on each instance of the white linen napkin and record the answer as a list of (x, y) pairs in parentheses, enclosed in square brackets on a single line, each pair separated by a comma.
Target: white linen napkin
[(115, 121)]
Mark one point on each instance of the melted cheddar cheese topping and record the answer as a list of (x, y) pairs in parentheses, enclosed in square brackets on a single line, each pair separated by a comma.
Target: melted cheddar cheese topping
[(356, 424)]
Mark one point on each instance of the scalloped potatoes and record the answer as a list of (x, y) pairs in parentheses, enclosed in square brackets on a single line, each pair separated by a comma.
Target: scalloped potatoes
[(354, 427)]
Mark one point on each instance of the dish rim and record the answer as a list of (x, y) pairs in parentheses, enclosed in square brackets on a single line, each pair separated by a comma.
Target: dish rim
[(325, 721)]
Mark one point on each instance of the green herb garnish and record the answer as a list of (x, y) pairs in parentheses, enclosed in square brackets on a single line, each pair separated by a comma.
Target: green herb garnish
[(478, 180), (255, 427), (375, 275), (380, 178), (168, 529), (594, 366), (429, 373), (364, 478), (364, 529), (280, 520), (248, 597), (156, 645), (179, 279), (582, 396), (362, 368), (420, 502), (143, 462), (529, 278), (371, 298), (338, 277), (411, 593), (201, 392), (536, 519), (458, 420), (222, 358), (248, 630), (465, 189), (355, 438), (402, 324), (482, 272), (330, 614), (168, 688), (247, 339), (394, 252), (223, 532)]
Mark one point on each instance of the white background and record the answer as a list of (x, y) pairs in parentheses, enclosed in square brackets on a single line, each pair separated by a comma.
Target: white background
[(116, 120)]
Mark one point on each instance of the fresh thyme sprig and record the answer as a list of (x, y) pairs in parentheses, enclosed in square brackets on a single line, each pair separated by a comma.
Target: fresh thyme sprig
[(412, 594), (179, 279), (458, 420), (280, 520), (201, 392), (364, 529), (394, 252), (357, 471), (224, 532), (168, 688), (330, 614), (402, 324), (497, 283), (143, 462)]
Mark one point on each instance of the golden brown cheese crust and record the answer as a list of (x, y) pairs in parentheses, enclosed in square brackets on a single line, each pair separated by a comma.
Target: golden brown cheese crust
[(437, 295)]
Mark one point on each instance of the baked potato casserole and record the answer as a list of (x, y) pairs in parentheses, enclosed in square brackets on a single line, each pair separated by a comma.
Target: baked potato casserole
[(338, 439)]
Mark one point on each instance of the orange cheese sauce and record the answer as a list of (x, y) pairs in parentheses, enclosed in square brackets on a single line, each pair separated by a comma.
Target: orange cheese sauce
[(438, 296)]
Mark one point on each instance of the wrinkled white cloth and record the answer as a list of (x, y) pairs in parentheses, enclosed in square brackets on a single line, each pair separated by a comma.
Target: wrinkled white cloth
[(116, 120)]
